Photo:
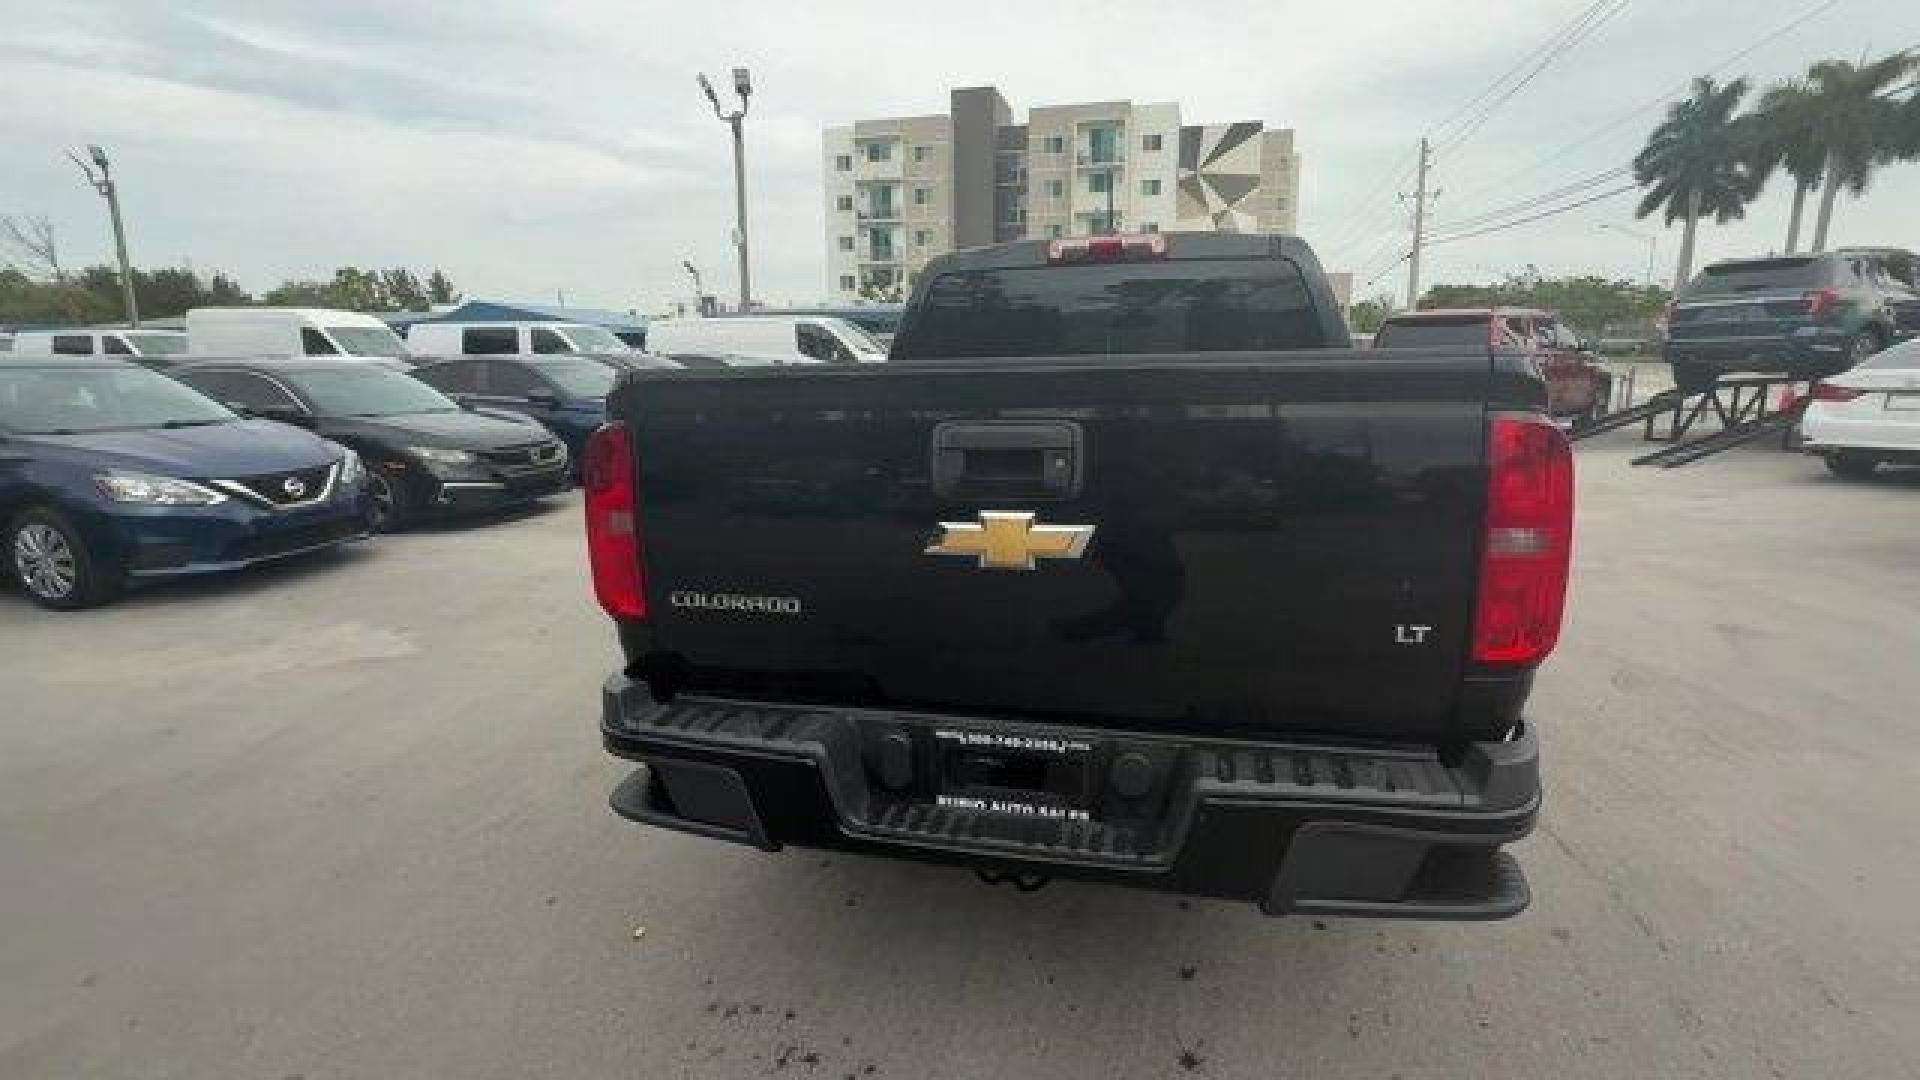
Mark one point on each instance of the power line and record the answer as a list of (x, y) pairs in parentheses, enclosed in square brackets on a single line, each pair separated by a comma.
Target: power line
[(1563, 191), (1580, 31), (1439, 129), (1589, 200), (1561, 153)]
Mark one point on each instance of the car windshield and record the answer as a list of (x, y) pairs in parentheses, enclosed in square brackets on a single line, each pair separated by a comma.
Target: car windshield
[(350, 389), (1902, 357), (583, 379), (81, 399), (594, 339), (857, 334), (1755, 275), (1433, 333), (368, 340), (157, 344)]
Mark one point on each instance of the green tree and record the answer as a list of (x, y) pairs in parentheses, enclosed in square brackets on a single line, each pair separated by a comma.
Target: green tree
[(1698, 161), (403, 289), (1365, 316), (1594, 306), (440, 288), (1788, 138), (1860, 124)]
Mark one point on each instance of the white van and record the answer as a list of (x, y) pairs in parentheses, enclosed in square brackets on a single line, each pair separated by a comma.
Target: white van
[(270, 331), (806, 338), (510, 339), (108, 342)]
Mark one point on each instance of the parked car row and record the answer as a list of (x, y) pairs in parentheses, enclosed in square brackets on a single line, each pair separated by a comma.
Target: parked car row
[(112, 473)]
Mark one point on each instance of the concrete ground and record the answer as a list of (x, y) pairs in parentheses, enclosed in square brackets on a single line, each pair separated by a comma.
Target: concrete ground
[(345, 819)]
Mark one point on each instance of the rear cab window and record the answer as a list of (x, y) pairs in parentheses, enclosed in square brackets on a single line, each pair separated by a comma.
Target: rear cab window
[(1433, 332), (1195, 305)]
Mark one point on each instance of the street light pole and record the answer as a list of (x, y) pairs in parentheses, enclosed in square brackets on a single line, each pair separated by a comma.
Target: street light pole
[(699, 291), (743, 86), (103, 183), (1653, 242)]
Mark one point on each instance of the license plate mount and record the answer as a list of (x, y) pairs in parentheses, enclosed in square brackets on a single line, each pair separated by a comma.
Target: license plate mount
[(1015, 772)]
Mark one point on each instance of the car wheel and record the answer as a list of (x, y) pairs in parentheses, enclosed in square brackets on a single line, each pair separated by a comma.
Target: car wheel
[(391, 507), (51, 562), (1693, 378), (1852, 465)]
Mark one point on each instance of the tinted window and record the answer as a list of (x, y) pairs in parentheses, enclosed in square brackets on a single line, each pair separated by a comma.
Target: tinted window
[(508, 379), (456, 377), (1905, 355), (817, 343), (1754, 275), (85, 398), (368, 340), (586, 378), (1194, 306), (367, 390), (315, 343), (1433, 332), (73, 344), (490, 340), (243, 389), (1513, 333), (547, 342), (113, 346), (159, 344)]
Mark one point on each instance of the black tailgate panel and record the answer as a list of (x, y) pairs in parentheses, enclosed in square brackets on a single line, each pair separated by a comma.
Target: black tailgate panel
[(1279, 546)]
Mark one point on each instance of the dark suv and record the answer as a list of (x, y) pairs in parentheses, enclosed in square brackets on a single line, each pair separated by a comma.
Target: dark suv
[(1807, 316)]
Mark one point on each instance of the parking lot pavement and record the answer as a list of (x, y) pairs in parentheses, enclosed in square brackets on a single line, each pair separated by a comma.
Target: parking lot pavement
[(346, 819)]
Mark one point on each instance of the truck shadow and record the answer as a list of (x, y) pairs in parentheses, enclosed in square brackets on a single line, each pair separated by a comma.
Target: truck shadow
[(1106, 973)]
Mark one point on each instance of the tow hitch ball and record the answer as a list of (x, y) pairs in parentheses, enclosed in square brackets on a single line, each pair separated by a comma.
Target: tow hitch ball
[(1026, 883)]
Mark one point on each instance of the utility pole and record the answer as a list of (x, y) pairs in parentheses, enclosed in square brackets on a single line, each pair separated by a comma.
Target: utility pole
[(1419, 226), (103, 183), (743, 86)]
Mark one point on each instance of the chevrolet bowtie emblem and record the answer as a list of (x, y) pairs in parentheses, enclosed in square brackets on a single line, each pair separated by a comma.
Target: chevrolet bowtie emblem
[(1010, 541)]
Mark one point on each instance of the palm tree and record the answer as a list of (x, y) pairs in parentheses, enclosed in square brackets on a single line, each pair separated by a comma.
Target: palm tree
[(1787, 130), (1698, 161), (1859, 122)]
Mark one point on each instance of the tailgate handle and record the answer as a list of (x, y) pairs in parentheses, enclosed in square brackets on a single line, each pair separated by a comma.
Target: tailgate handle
[(1010, 460)]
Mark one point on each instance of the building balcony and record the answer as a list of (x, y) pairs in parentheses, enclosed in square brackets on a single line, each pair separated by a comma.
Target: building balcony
[(1088, 160), (879, 213)]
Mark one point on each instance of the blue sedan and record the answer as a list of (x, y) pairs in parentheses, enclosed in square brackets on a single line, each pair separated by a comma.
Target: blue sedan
[(566, 393), (112, 474)]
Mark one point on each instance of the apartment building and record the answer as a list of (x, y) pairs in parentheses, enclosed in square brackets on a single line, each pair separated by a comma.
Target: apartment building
[(900, 191)]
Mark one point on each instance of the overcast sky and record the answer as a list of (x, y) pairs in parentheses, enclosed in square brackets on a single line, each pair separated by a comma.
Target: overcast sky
[(534, 148)]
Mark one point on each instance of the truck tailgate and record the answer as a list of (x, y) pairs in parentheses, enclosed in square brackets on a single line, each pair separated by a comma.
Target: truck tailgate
[(1283, 542)]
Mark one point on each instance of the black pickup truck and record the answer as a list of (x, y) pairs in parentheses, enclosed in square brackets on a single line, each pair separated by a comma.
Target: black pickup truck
[(1124, 567)]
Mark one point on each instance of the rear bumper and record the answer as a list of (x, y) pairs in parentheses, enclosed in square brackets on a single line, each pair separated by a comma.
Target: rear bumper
[(1291, 828), (1814, 349)]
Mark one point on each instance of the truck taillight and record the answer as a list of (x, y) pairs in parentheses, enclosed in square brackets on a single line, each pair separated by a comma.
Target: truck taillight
[(1133, 247), (613, 529), (1528, 542), (1819, 301)]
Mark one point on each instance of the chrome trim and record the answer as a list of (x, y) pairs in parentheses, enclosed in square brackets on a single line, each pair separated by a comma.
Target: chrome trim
[(470, 484), (326, 490)]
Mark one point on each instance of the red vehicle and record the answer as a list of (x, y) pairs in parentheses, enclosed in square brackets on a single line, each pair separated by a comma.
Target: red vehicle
[(1578, 388)]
